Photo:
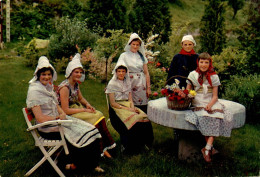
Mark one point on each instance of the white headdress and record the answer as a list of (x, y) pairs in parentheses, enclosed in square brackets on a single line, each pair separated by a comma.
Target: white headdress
[(43, 62), (73, 64), (189, 38), (114, 85), (128, 46)]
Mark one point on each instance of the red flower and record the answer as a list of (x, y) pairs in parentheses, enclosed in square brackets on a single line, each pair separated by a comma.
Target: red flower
[(171, 98), (178, 98), (164, 91), (155, 94), (131, 76), (186, 92), (158, 64)]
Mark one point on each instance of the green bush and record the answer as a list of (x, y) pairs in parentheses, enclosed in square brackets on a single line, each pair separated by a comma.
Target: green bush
[(61, 64), (245, 90), (32, 54), (70, 32), (157, 77), (29, 19), (231, 61), (106, 46)]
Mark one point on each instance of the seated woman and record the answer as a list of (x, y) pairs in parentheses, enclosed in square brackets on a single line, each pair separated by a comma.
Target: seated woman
[(74, 104), (128, 120), (42, 101)]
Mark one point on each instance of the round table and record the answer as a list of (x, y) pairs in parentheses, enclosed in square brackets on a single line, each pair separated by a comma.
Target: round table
[(188, 145), (159, 113)]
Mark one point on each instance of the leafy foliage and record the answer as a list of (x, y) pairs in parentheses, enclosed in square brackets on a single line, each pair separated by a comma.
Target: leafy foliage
[(150, 16), (70, 32), (230, 62), (245, 90), (109, 48), (32, 18), (32, 54), (30, 21), (249, 37), (212, 27), (109, 14), (61, 64), (157, 77), (236, 5)]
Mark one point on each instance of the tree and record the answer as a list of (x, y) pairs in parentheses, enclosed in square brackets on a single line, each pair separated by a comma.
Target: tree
[(212, 28), (109, 14), (249, 36), (236, 5), (150, 16)]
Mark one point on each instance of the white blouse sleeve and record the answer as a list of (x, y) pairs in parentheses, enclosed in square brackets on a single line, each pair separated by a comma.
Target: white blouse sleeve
[(215, 80)]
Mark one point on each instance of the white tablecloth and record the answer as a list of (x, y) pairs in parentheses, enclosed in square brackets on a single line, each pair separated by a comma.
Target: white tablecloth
[(159, 113)]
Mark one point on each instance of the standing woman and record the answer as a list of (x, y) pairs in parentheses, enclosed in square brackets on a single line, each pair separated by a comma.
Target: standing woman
[(185, 61), (42, 101), (136, 62), (74, 104)]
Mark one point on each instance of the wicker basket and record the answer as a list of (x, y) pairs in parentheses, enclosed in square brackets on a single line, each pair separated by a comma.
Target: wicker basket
[(174, 104)]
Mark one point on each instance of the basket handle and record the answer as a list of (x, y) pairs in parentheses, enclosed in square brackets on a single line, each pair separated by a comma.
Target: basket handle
[(181, 77)]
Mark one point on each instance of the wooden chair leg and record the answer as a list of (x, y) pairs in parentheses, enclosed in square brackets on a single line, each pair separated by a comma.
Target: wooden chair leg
[(47, 156)]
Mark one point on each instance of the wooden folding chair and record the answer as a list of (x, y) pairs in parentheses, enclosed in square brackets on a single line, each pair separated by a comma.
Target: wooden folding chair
[(48, 147)]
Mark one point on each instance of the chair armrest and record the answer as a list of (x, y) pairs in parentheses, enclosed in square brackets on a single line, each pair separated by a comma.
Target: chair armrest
[(52, 122)]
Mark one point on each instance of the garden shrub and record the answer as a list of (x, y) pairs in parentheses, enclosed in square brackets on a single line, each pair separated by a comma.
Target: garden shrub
[(61, 64), (107, 45), (157, 76), (231, 61), (70, 32), (95, 67), (245, 90), (32, 54)]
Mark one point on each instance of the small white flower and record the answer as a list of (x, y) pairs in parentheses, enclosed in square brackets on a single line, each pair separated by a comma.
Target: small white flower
[(174, 85), (177, 81), (156, 53)]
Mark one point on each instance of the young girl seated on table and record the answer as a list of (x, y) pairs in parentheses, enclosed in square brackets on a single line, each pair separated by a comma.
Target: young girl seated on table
[(208, 114)]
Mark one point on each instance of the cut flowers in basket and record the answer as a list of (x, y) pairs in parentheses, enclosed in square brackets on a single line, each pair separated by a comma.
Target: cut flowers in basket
[(174, 92)]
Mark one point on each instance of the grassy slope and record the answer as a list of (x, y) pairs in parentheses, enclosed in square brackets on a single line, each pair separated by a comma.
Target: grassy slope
[(187, 14)]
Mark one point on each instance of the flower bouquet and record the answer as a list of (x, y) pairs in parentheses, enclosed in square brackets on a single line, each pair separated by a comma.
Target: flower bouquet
[(178, 98)]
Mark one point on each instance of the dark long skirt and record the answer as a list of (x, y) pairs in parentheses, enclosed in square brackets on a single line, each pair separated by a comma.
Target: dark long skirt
[(135, 138), (86, 158), (107, 142)]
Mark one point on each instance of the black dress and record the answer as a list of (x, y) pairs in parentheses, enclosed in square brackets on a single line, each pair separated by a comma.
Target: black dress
[(135, 138), (182, 65)]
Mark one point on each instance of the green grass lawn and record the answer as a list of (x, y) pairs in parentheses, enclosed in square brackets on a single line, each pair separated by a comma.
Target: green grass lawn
[(239, 155)]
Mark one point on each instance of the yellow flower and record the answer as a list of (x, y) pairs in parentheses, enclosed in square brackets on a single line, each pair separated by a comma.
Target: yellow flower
[(193, 92)]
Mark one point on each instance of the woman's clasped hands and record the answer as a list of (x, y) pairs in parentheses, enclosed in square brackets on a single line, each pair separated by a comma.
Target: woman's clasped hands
[(89, 108)]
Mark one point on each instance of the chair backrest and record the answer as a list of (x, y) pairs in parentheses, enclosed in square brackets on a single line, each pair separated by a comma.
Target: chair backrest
[(107, 98), (28, 116)]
